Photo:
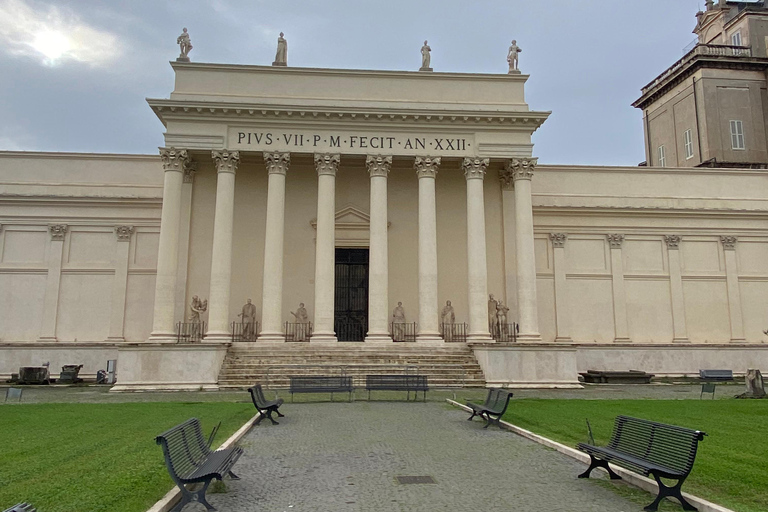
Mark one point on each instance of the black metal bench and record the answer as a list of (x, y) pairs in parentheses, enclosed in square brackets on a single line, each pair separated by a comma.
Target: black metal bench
[(264, 406), (21, 507), (406, 383), (616, 377), (495, 404), (716, 375), (648, 448), (321, 384), (190, 460)]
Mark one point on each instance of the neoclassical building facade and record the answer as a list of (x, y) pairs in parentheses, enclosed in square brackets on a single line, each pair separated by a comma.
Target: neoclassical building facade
[(350, 192)]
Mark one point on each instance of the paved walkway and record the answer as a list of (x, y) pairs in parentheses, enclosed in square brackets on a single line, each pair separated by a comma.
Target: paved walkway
[(340, 457)]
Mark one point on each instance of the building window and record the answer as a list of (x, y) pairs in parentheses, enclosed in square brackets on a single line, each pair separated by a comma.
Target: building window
[(737, 135), (688, 139), (736, 39), (662, 157)]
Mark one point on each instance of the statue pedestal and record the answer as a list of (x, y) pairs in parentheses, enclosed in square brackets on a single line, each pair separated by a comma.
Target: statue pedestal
[(425, 69), (514, 72), (182, 59), (279, 63)]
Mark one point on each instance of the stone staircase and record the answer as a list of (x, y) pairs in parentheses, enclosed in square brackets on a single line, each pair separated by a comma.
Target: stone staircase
[(447, 366)]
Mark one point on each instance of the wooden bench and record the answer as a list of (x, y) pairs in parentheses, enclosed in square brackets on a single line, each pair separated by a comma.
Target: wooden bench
[(321, 384), (648, 448), (495, 404), (406, 383), (264, 406), (190, 460)]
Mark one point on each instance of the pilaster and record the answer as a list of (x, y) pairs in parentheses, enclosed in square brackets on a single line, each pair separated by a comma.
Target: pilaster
[(509, 231), (120, 283), (619, 289), (561, 290), (734, 293), (58, 234), (185, 222), (680, 334)]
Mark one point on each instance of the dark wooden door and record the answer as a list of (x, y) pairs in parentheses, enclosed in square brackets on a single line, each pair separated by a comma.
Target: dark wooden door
[(351, 314)]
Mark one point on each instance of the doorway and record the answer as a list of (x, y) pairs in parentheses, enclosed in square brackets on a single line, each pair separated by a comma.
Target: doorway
[(351, 309)]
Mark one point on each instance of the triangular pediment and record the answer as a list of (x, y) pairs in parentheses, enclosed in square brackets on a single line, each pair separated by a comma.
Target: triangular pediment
[(353, 226), (350, 214)]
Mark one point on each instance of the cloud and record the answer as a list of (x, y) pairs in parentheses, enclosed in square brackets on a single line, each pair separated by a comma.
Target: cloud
[(53, 35)]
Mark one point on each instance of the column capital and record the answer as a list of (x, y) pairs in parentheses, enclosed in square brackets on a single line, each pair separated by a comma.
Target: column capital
[(226, 161), (58, 231), (277, 163), (506, 178), (729, 242), (123, 233), (615, 240), (474, 168), (189, 171), (174, 159), (521, 168), (558, 239), (673, 241), (426, 167), (327, 163), (378, 165)]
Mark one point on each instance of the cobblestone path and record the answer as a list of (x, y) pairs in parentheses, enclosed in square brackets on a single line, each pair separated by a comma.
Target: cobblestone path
[(346, 456)]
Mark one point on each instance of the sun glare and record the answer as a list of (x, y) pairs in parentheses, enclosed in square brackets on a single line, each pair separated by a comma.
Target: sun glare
[(51, 44)]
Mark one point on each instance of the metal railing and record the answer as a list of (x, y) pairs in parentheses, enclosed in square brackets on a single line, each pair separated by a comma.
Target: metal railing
[(505, 333), (190, 332), (298, 332), (402, 331), (245, 331), (454, 333), (710, 50)]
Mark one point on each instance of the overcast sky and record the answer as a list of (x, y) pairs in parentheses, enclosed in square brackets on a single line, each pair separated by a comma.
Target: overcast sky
[(74, 74)]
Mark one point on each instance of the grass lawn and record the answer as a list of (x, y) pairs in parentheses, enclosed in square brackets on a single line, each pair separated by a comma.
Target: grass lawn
[(96, 457), (731, 467)]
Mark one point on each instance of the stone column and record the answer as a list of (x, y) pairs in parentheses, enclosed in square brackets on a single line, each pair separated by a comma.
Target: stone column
[(378, 263), (522, 170), (53, 283), (120, 283), (734, 293), (325, 248), (474, 172), (561, 291), (510, 260), (619, 291), (174, 163), (221, 256), (426, 170), (272, 292), (185, 222), (680, 334)]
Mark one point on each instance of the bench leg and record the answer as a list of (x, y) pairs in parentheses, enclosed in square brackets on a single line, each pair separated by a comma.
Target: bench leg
[(667, 491), (261, 417), (599, 463), (201, 497), (474, 413), (278, 413), (233, 476), (269, 416)]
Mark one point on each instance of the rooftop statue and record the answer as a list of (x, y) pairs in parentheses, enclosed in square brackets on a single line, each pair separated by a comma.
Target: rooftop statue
[(426, 57), (281, 57), (185, 45), (512, 57)]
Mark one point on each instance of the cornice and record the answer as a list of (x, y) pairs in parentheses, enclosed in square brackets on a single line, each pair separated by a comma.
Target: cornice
[(177, 109), (294, 70), (696, 171), (79, 156)]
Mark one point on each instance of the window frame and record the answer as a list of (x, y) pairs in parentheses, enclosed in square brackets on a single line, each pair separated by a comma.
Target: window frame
[(734, 36), (688, 143), (738, 141), (661, 153)]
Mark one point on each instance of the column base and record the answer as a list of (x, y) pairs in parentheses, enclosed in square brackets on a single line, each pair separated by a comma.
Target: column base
[(480, 338), (271, 337), (47, 338), (378, 338), (162, 337), (622, 339), (116, 339), (426, 338), (531, 337), (218, 337), (738, 340), (327, 338), (681, 340), (563, 339)]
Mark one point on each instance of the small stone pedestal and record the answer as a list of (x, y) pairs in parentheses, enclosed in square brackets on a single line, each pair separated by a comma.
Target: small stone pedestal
[(426, 69), (183, 59)]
